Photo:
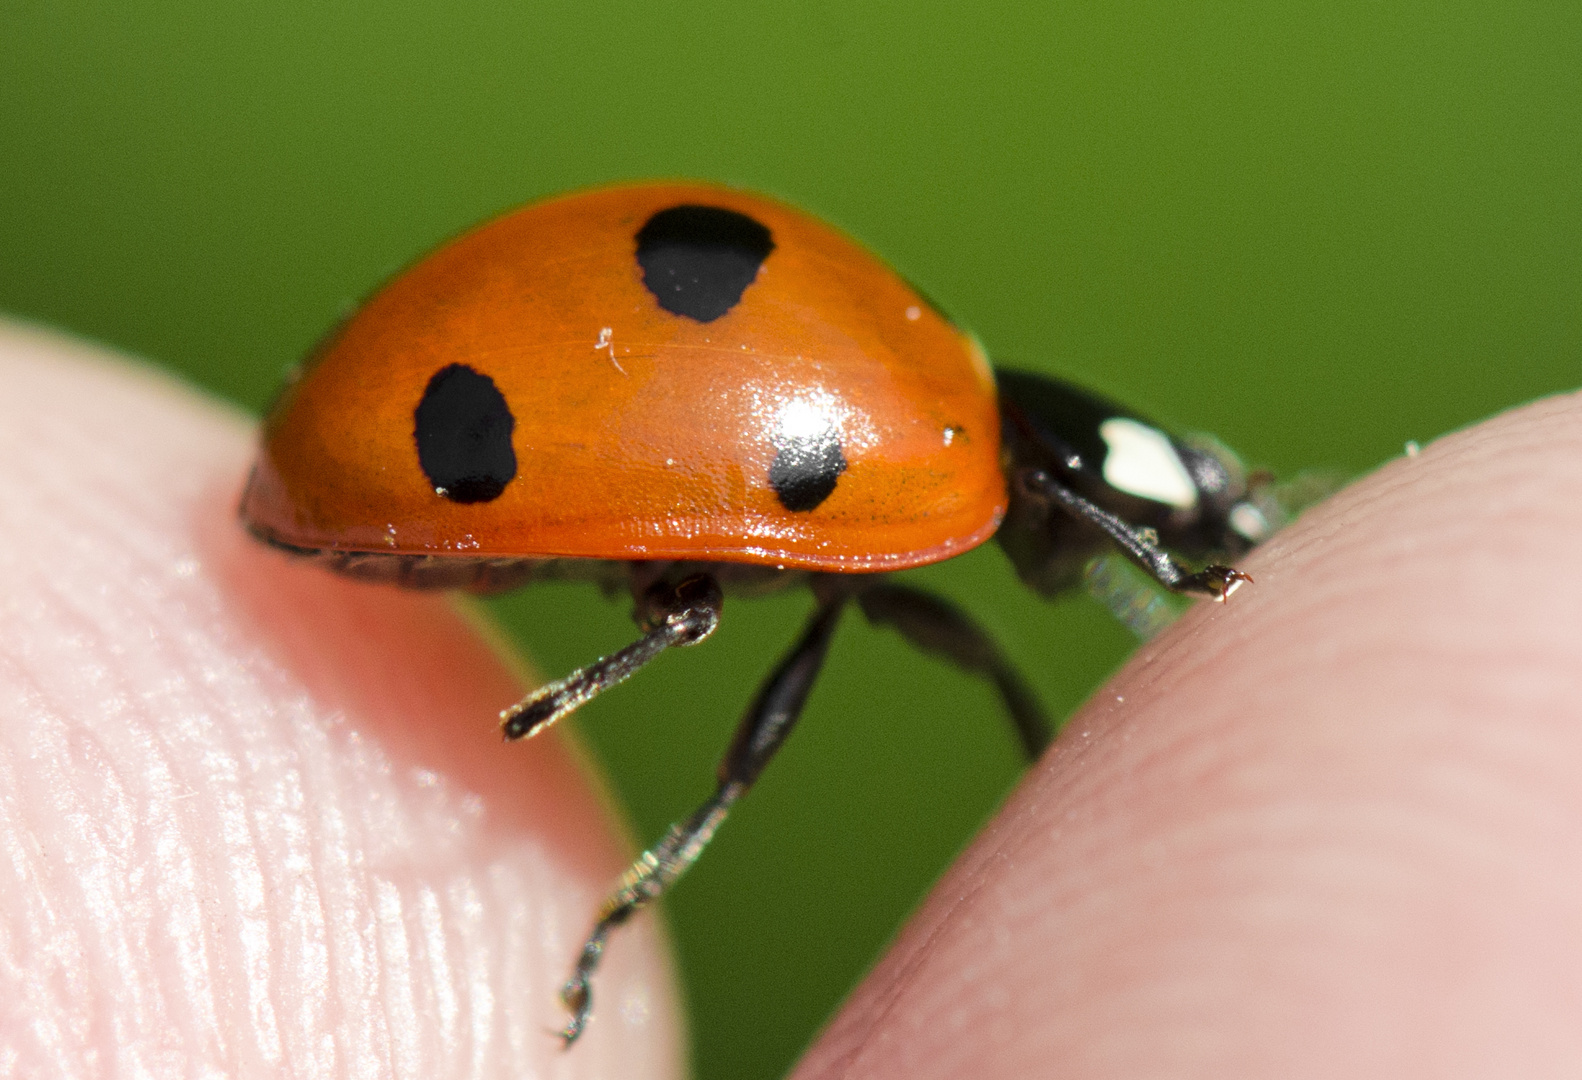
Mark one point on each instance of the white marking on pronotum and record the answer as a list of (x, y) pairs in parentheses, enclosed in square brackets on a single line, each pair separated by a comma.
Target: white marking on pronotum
[(1142, 461), (1249, 521), (607, 341)]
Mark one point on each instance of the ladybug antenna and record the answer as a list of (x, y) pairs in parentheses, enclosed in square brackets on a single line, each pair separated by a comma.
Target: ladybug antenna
[(681, 614)]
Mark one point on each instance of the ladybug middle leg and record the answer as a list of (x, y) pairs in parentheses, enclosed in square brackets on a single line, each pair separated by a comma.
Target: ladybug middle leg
[(938, 627), (761, 732)]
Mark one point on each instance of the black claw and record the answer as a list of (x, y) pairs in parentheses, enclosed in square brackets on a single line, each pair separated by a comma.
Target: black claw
[(578, 997), (1217, 581)]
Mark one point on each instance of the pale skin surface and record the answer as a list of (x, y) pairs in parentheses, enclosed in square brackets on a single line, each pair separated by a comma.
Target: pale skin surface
[(253, 820), (1332, 828)]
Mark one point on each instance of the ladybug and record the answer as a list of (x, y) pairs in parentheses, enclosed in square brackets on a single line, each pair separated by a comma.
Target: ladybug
[(685, 391)]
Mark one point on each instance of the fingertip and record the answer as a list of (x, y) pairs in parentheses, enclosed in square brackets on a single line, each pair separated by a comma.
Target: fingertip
[(256, 816), (1326, 829)]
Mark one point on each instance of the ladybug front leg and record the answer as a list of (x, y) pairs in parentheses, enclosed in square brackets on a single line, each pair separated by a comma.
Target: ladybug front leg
[(768, 721), (1136, 544), (672, 615)]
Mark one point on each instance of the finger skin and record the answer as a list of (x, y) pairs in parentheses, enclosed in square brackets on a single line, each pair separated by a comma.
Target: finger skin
[(1332, 828), (257, 820)]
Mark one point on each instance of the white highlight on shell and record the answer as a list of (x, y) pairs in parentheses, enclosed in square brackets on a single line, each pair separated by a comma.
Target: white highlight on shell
[(1142, 462), (790, 415), (806, 420), (814, 415)]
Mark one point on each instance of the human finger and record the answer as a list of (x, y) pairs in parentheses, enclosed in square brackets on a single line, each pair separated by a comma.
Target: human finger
[(1331, 828), (256, 819)]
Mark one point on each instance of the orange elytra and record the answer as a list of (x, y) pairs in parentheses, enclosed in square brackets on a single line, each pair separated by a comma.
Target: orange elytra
[(689, 390), (639, 433)]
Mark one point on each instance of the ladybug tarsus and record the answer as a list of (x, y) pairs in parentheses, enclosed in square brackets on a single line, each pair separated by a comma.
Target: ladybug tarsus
[(577, 994), (672, 615)]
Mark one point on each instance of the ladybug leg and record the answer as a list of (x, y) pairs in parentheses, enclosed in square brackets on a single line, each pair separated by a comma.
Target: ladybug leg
[(1136, 544), (938, 627), (680, 614), (763, 729)]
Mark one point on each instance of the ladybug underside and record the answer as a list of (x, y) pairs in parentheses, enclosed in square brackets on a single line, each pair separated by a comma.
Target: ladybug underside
[(487, 576)]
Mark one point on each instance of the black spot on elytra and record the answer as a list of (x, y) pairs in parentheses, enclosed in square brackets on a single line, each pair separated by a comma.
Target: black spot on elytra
[(804, 471), (698, 260), (463, 431)]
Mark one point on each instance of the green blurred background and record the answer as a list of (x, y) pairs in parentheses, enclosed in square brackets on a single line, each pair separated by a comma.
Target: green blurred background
[(1318, 228)]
